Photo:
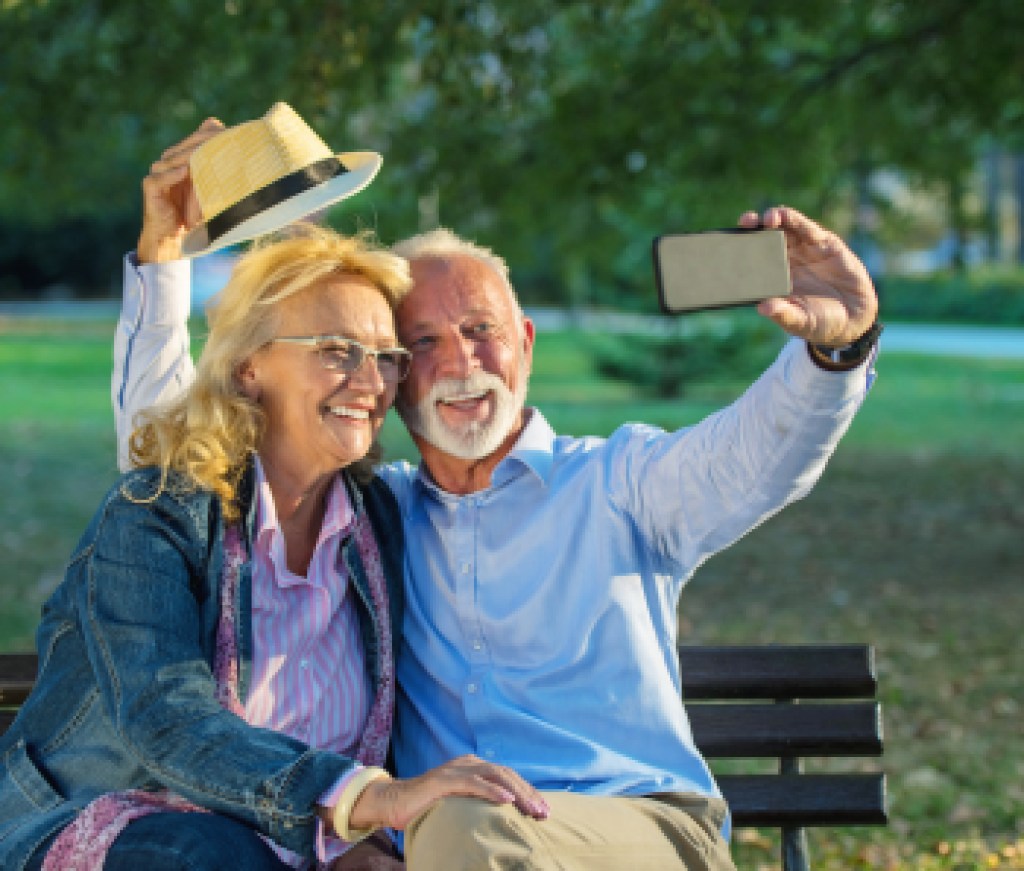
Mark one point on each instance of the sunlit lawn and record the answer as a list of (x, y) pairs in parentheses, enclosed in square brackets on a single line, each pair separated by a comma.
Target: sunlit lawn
[(912, 542)]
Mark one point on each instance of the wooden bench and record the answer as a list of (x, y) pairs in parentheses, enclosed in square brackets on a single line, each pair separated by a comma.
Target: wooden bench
[(786, 702), (783, 702)]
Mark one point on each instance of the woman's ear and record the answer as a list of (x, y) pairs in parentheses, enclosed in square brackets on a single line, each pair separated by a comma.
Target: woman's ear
[(247, 377)]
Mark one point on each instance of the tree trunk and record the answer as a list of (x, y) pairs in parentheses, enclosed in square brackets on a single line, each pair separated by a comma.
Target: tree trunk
[(993, 189), (958, 222), (1019, 162)]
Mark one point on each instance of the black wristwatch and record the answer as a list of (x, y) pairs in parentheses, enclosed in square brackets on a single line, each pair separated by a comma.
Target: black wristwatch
[(848, 356)]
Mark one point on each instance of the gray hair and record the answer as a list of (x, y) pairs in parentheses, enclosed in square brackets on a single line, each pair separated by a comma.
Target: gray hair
[(442, 243)]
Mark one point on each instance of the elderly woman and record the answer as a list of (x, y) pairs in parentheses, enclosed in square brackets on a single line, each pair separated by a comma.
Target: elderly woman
[(216, 677)]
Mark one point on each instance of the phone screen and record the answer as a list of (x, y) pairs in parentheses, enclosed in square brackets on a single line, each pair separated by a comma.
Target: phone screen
[(720, 268)]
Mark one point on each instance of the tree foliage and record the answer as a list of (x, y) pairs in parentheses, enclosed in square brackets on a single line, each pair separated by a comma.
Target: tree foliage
[(564, 134)]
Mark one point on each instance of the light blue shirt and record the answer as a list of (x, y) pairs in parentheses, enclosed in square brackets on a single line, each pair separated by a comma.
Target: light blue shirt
[(540, 627)]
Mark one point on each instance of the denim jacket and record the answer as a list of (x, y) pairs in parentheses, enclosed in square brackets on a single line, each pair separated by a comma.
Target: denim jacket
[(125, 695)]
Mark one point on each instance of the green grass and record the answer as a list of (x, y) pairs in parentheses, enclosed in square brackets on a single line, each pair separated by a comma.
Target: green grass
[(55, 375), (911, 542)]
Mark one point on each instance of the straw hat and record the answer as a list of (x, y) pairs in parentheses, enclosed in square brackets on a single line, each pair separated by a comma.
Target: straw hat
[(260, 176)]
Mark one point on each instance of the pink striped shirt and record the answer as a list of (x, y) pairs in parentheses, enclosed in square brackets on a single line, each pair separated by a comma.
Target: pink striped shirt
[(309, 677)]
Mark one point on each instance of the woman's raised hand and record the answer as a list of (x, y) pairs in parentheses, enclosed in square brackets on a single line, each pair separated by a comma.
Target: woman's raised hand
[(169, 205)]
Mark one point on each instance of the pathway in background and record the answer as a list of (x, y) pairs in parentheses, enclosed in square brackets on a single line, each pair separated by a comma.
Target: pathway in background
[(948, 340), (932, 339), (955, 341), (63, 310)]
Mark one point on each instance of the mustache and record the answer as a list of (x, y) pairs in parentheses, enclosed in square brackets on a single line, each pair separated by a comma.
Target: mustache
[(477, 382)]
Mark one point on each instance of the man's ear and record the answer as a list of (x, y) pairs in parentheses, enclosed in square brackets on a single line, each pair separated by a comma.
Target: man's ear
[(247, 378), (529, 336)]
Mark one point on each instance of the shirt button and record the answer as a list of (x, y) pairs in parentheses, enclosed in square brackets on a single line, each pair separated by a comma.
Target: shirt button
[(471, 688), (465, 568), (304, 663), (489, 753), (478, 644)]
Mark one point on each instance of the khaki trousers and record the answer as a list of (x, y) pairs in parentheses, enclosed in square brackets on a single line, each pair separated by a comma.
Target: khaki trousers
[(583, 833)]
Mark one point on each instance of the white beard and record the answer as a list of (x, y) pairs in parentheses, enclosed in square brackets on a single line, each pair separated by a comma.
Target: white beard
[(476, 439)]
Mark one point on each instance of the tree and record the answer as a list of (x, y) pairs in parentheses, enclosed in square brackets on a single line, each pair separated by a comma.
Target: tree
[(565, 135)]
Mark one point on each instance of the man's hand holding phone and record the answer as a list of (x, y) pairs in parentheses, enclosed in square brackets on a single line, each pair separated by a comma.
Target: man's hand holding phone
[(832, 301), (801, 276)]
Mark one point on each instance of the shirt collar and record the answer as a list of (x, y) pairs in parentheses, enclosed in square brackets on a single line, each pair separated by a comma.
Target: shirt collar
[(338, 516), (533, 449)]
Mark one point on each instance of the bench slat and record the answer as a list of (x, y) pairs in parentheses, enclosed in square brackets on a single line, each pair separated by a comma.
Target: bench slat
[(805, 799), (17, 674), (771, 729), (753, 672), (802, 671)]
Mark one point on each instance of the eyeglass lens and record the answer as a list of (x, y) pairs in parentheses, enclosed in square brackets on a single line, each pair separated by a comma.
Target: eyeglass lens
[(393, 365)]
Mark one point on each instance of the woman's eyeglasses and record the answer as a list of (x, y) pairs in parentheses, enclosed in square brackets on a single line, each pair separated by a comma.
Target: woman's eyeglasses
[(340, 354)]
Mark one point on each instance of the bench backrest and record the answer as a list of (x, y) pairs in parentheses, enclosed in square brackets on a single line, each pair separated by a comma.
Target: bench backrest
[(786, 702), (17, 674), (762, 701)]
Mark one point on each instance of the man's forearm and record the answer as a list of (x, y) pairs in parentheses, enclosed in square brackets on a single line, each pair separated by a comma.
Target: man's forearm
[(152, 363), (698, 490)]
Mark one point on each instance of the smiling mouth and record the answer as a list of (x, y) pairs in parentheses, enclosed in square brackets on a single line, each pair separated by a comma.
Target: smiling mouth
[(460, 400), (346, 411)]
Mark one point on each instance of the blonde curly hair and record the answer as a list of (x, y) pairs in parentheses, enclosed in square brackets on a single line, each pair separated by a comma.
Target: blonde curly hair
[(209, 432)]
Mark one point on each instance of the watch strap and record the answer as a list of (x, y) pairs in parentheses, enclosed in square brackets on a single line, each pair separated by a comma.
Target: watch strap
[(848, 356)]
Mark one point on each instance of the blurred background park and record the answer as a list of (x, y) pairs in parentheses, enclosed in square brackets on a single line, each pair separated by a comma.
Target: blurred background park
[(566, 136)]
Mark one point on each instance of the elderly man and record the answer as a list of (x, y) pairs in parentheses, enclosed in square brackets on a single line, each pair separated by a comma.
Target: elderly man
[(544, 572)]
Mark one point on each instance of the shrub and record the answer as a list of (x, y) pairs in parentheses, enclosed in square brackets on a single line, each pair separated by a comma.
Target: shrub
[(724, 348), (982, 297), (74, 257)]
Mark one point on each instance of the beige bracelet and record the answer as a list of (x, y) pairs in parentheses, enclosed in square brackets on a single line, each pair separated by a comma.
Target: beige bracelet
[(349, 796)]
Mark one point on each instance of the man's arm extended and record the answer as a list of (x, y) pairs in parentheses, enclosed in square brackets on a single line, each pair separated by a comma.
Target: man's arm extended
[(696, 491)]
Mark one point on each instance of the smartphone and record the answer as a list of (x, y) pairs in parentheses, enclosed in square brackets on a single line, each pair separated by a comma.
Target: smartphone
[(720, 268)]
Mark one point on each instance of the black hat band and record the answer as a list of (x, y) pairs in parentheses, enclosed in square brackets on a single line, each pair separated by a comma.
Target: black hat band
[(273, 194)]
